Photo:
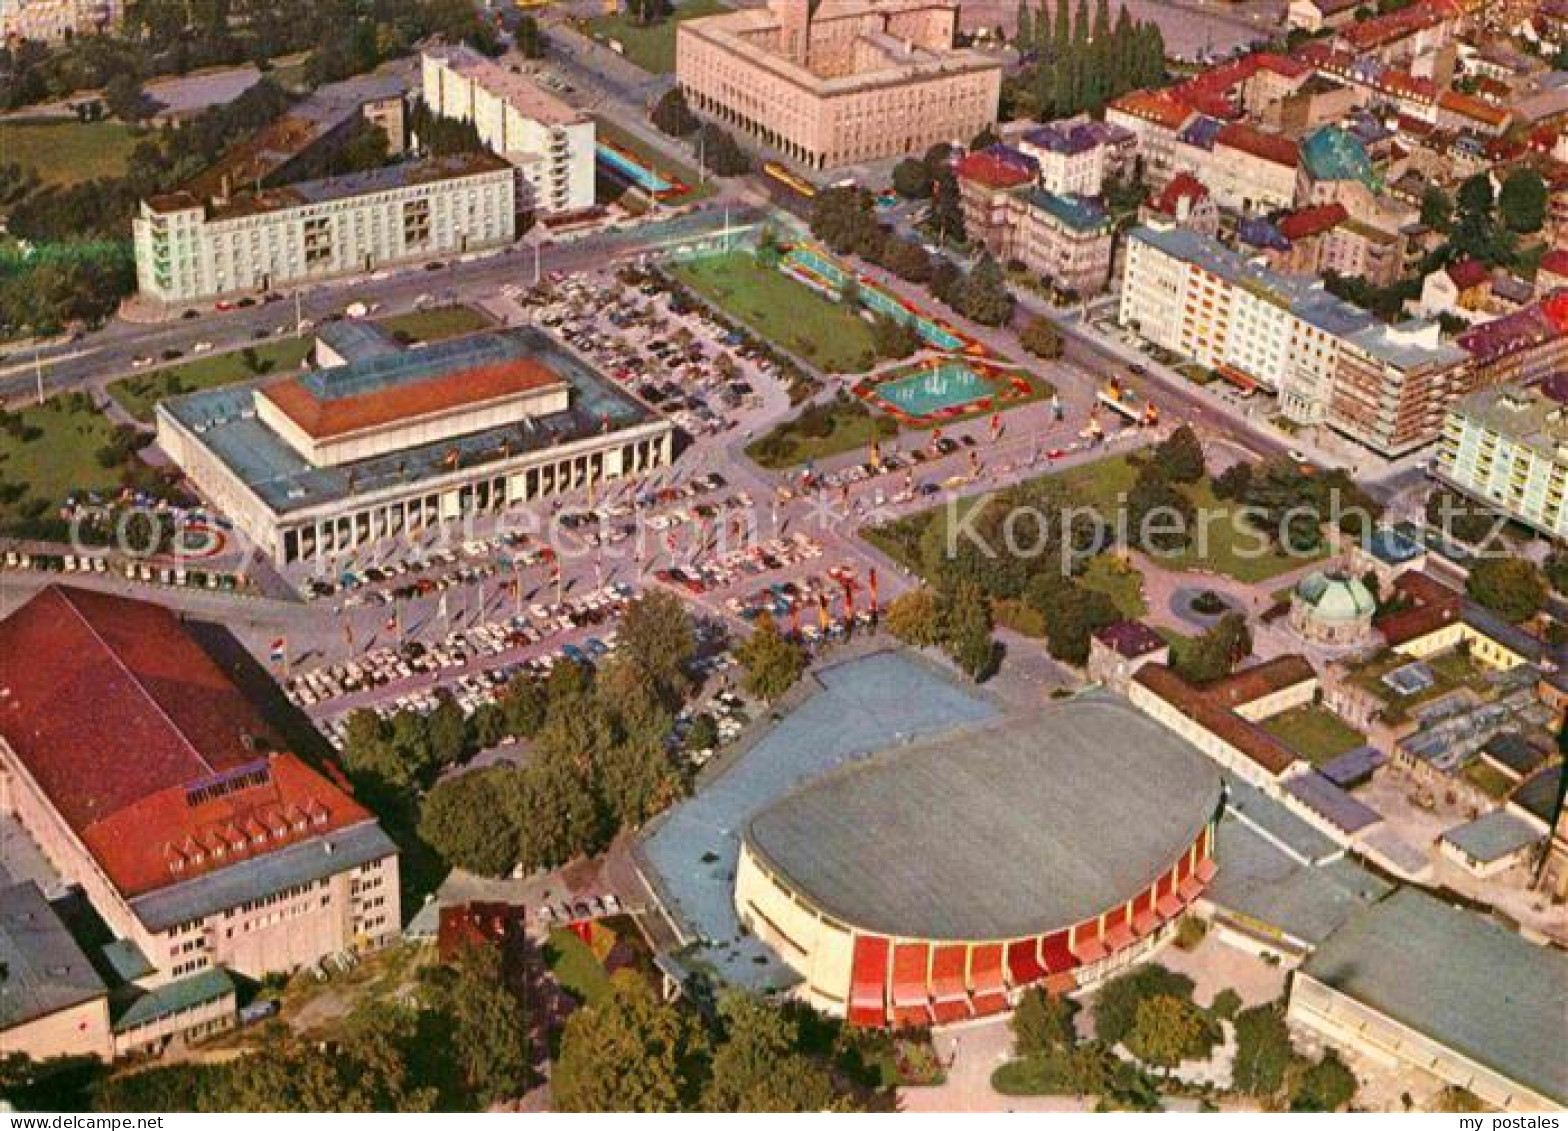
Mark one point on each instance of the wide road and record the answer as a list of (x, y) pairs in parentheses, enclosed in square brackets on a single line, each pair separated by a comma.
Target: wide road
[(112, 351)]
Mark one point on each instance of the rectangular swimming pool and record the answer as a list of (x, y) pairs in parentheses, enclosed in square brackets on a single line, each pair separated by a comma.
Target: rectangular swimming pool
[(634, 171), (942, 387)]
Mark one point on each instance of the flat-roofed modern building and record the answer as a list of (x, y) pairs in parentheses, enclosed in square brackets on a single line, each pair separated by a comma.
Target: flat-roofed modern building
[(1413, 983), (384, 447), (841, 81), (935, 882), (1386, 387), (54, 1003), (1508, 448), (191, 247), (144, 776), (551, 144)]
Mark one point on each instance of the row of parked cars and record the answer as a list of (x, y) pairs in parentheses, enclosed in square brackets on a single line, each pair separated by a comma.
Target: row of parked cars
[(152, 573), (750, 561)]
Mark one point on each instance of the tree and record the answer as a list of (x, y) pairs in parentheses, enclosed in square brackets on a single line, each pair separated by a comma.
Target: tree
[(1072, 615), (912, 179), (523, 706), (915, 617), (720, 154), (947, 207), (489, 1028), (528, 38), (1023, 37), (672, 114), (126, 100), (758, 1068), (1166, 1030), (656, 638), (1042, 1023), (1327, 1086), (446, 731), (1041, 338), (1437, 209), (772, 663), (628, 1051), (1116, 1003), (1458, 517), (1160, 518), (1263, 1051), (1522, 201), (468, 820), (967, 625), (649, 11), (1513, 588), (1213, 655), (986, 298), (894, 337), (1180, 456)]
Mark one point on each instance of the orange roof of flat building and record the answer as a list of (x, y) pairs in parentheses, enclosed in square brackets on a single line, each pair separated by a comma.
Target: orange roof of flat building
[(1475, 109), (327, 417), (1214, 707), (145, 747), (1309, 222), (996, 170), (1276, 148), (1154, 106)]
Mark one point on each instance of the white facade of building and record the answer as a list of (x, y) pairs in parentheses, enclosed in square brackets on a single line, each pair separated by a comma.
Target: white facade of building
[(188, 250), (551, 144), (1509, 448)]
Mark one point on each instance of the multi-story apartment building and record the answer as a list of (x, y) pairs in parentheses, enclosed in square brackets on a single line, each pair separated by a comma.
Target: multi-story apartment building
[(1077, 157), (1508, 447), (551, 144), (839, 82), (190, 247), (143, 776), (1329, 362), (1156, 118), (50, 21), (1064, 238)]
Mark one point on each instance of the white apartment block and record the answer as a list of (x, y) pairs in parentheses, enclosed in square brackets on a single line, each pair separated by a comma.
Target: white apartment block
[(189, 249), (551, 144), (1329, 362), (1508, 448)]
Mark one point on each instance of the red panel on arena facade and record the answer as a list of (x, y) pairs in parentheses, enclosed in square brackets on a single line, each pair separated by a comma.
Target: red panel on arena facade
[(868, 981)]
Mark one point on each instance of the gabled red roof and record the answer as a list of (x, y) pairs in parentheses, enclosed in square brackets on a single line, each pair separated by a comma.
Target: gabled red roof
[(1309, 222), (1154, 106), (1182, 185), (1269, 146), (147, 750), (1468, 273), (1475, 109)]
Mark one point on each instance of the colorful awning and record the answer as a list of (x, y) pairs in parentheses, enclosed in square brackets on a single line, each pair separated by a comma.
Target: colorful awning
[(1145, 922), (1119, 937), (909, 974), (1169, 906), (1089, 950), (1206, 870), (1191, 888), (1057, 953), (985, 970), (868, 974), (947, 973), (1023, 962)]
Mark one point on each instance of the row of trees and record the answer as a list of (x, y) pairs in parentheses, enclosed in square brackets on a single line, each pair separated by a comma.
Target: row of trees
[(1485, 223), (960, 621), (1077, 65), (717, 150), (630, 1051)]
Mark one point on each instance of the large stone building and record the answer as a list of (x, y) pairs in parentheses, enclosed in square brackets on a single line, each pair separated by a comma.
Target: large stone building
[(133, 769), (190, 246), (550, 143), (396, 443), (841, 81), (1385, 386)]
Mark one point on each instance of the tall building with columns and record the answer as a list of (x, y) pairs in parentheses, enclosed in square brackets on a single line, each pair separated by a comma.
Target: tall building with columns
[(394, 443), (841, 81)]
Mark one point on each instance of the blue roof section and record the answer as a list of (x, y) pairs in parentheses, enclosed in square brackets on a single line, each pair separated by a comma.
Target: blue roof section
[(301, 863), (224, 419), (859, 707), (126, 959), (1077, 212), (1353, 766), (1494, 835), (1391, 547), (1460, 979), (1257, 231), (1202, 132), (356, 340), (1333, 154), (1331, 803), (45, 970), (1292, 834)]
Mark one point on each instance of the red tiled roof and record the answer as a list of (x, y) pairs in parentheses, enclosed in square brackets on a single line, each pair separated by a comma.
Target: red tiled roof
[(1309, 222), (118, 714), (1267, 146), (339, 416), (1468, 273), (1180, 186), (1213, 707), (1130, 638), (1380, 30), (1473, 108), (993, 170), (1432, 605), (1154, 106), (1555, 262)]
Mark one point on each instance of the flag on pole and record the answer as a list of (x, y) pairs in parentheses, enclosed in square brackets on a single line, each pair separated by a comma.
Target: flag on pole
[(871, 585), (280, 649)]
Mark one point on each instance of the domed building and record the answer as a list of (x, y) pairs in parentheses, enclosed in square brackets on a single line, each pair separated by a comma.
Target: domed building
[(1331, 607)]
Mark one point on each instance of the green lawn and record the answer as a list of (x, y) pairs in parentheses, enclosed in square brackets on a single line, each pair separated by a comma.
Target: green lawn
[(850, 425), (652, 48), (786, 312), (57, 457), (65, 151), (657, 159), (437, 323), (137, 395), (1451, 671), (575, 967), (1119, 581), (1314, 732)]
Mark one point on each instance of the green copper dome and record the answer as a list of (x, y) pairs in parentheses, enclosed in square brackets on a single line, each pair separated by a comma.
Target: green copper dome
[(1336, 597)]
